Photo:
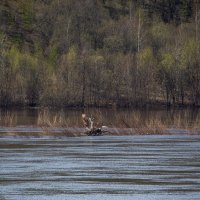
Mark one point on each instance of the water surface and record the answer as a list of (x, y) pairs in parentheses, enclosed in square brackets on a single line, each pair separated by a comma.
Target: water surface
[(105, 167)]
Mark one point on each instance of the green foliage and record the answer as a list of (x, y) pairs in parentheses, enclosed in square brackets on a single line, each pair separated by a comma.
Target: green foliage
[(98, 52), (18, 39), (168, 62), (53, 55), (190, 61), (15, 57), (160, 32), (97, 59), (190, 54), (146, 57), (27, 13), (72, 55), (2, 40), (38, 50)]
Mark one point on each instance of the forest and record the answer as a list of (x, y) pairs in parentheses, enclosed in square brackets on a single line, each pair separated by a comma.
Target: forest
[(99, 52)]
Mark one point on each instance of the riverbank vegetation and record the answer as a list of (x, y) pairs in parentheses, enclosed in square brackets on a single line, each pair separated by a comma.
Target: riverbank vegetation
[(59, 123), (99, 52)]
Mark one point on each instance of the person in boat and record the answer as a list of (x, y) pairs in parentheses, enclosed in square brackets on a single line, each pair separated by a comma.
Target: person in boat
[(87, 122)]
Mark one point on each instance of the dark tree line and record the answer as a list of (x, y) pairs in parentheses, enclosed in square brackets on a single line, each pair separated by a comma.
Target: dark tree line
[(99, 52)]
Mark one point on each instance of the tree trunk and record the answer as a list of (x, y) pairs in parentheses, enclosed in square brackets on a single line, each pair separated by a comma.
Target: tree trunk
[(84, 86), (182, 97)]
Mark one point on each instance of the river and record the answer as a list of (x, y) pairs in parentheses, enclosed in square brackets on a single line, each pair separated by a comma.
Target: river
[(97, 168)]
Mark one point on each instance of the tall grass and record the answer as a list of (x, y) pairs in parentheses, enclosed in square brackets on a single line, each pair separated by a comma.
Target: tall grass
[(141, 126), (8, 119), (47, 119), (158, 124), (135, 121)]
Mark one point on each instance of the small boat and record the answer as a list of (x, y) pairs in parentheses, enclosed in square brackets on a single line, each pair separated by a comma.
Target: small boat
[(94, 132)]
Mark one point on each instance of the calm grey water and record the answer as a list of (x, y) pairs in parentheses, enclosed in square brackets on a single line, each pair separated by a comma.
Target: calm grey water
[(96, 168)]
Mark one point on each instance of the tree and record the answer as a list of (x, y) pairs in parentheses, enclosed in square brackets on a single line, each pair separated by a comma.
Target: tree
[(191, 61), (146, 73), (5, 73), (167, 76)]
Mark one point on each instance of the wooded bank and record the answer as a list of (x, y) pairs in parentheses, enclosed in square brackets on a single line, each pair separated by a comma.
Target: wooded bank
[(99, 52)]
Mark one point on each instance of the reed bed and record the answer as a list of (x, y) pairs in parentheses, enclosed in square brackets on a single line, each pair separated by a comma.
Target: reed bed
[(135, 124), (141, 126), (47, 121), (8, 119), (121, 124), (158, 125)]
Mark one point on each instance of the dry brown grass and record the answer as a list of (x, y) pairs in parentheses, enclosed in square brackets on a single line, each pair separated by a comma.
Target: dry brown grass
[(8, 119), (157, 125), (123, 124), (47, 120), (152, 126)]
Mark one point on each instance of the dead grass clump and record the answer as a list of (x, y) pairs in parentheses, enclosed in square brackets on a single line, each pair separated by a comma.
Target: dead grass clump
[(8, 119), (45, 119), (184, 121), (155, 126), (196, 124), (141, 126)]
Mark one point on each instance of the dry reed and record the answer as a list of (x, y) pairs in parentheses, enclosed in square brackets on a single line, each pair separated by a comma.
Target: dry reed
[(8, 119)]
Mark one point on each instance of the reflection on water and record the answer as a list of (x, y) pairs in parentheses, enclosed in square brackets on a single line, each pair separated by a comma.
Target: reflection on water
[(178, 118), (107, 167)]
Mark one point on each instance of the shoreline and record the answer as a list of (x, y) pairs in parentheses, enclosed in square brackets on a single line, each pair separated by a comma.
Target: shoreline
[(130, 105), (79, 132)]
